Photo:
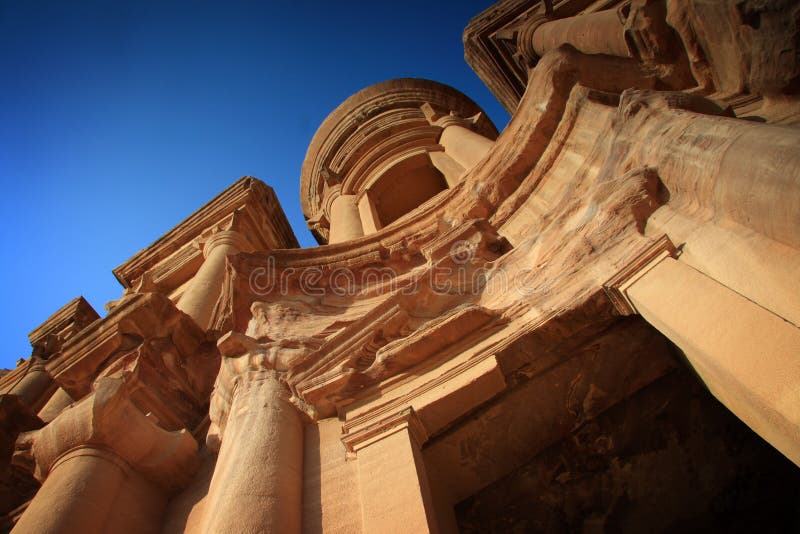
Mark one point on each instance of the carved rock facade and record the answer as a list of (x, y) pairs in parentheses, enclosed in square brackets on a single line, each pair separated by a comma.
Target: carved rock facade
[(588, 322)]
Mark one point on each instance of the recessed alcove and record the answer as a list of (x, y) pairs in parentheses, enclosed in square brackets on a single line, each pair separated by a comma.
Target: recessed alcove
[(405, 186), (378, 156)]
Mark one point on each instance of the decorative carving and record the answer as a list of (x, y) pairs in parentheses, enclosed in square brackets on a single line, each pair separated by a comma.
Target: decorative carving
[(354, 140), (145, 334), (246, 360), (107, 418)]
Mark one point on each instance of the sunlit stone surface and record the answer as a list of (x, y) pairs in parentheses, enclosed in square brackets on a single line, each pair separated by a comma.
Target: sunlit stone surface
[(585, 323)]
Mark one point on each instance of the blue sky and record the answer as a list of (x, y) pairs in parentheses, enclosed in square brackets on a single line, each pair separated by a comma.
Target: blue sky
[(118, 119)]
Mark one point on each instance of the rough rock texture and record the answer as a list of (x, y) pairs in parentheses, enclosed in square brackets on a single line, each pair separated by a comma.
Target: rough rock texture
[(670, 458), (500, 331)]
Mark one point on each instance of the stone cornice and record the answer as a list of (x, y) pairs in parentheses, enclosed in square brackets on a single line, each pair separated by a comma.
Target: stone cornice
[(356, 438), (67, 321), (48, 338), (145, 336), (255, 202)]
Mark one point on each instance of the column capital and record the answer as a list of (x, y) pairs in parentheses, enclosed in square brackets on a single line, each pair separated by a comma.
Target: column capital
[(247, 363), (226, 237), (331, 193), (442, 119), (647, 258), (107, 419), (525, 37)]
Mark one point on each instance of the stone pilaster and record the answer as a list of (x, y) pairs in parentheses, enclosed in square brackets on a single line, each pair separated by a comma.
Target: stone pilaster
[(395, 491), (745, 354)]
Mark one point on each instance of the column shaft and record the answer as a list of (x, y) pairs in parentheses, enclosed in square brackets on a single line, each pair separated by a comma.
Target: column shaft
[(35, 388), (370, 221), (594, 33), (451, 170), (92, 490), (258, 480), (201, 296), (57, 403), (463, 145), (345, 219)]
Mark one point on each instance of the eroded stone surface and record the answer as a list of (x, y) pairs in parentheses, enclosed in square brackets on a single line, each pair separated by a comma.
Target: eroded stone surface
[(500, 330)]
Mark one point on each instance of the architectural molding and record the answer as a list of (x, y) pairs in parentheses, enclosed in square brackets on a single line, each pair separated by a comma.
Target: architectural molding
[(144, 335), (266, 225), (356, 439), (70, 319), (656, 252)]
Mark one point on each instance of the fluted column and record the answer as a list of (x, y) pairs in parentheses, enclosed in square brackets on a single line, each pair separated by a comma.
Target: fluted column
[(201, 296), (345, 219), (257, 484), (105, 466)]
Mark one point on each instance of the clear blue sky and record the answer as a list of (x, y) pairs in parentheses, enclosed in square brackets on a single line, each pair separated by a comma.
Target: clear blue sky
[(120, 118)]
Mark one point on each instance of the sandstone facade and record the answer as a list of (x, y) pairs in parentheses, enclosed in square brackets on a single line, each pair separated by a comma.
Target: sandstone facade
[(588, 322)]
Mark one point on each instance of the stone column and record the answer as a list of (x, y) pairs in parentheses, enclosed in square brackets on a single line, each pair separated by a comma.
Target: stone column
[(83, 493), (370, 221), (57, 404), (257, 484), (746, 355), (395, 491), (462, 144), (345, 219), (201, 296), (258, 480), (35, 387), (105, 466), (451, 170), (602, 32)]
